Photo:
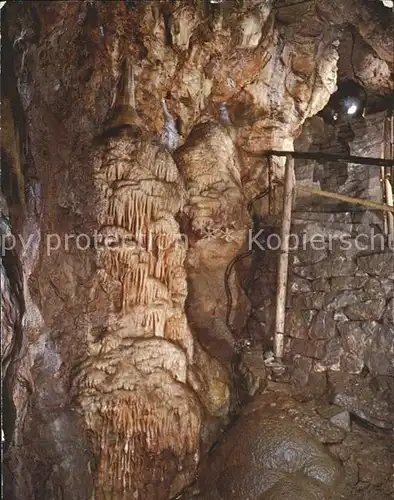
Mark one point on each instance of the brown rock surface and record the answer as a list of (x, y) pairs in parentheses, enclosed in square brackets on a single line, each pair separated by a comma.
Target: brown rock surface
[(266, 446), (118, 358)]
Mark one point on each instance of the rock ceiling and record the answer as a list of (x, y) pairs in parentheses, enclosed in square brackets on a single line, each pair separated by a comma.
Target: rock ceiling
[(118, 334)]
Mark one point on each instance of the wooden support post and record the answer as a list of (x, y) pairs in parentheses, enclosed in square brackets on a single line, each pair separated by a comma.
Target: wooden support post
[(383, 190), (389, 183), (281, 290)]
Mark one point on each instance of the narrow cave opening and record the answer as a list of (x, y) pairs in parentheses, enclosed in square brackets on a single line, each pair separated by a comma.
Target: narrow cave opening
[(167, 28)]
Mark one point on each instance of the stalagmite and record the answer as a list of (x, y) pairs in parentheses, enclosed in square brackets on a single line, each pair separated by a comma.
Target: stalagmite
[(138, 388)]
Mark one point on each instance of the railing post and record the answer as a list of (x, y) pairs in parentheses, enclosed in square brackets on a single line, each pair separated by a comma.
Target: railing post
[(281, 290), (390, 216), (383, 191)]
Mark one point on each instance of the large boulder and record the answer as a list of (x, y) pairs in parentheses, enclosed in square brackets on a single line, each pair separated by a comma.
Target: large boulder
[(266, 454)]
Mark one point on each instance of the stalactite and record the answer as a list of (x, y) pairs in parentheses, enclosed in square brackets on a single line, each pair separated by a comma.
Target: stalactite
[(132, 428), (163, 169), (177, 330)]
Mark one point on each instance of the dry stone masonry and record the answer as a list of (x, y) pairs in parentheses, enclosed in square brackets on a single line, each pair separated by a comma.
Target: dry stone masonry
[(122, 359)]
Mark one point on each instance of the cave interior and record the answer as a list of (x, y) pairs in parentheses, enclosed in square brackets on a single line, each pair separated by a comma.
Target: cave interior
[(197, 249)]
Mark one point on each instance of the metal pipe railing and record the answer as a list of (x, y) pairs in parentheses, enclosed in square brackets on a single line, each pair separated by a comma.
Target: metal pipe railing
[(373, 205), (361, 160), (389, 201)]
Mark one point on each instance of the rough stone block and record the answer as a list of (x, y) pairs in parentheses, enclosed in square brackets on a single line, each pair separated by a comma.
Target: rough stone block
[(335, 300), (379, 354), (354, 339), (332, 357), (342, 420), (323, 325), (371, 328), (375, 288), (313, 252), (307, 348), (311, 300), (338, 265), (296, 324), (360, 398), (352, 329), (314, 271), (388, 315), (340, 316), (301, 369), (309, 314), (342, 283), (348, 248), (378, 264), (321, 285), (368, 310), (388, 286), (299, 285), (341, 266)]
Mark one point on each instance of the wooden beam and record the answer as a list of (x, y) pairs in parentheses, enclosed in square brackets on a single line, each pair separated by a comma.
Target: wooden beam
[(325, 157), (281, 290), (348, 199)]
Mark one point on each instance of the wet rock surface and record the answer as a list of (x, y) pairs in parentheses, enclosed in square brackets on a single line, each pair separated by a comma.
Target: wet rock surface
[(270, 450), (358, 462), (296, 487), (275, 443)]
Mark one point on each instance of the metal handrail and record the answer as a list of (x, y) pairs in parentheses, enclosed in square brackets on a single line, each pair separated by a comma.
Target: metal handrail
[(301, 155), (288, 196)]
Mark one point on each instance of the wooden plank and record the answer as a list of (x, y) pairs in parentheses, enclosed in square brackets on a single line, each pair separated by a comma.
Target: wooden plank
[(283, 267)]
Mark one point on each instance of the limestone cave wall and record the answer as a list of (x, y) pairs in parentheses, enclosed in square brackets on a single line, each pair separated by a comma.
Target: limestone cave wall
[(131, 177)]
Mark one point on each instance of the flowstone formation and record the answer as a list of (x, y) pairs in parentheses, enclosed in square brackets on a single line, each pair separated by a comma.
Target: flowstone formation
[(217, 226), (122, 374), (133, 386)]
